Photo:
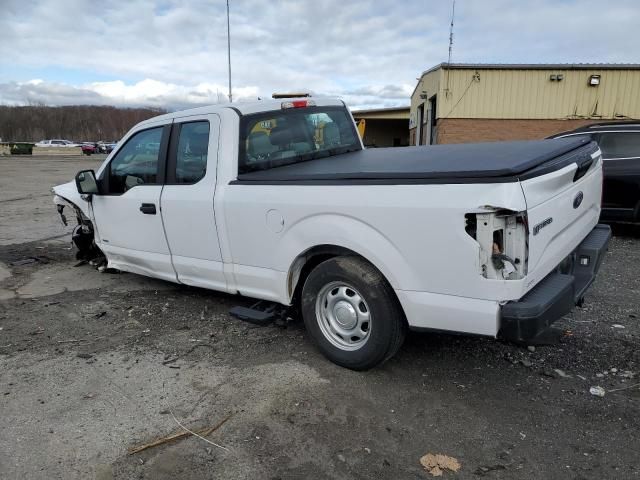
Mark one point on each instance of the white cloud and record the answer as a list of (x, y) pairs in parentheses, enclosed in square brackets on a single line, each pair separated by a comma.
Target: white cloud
[(370, 53), (144, 93)]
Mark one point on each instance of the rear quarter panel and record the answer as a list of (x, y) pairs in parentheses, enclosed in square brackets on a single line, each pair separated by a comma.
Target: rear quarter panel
[(414, 234)]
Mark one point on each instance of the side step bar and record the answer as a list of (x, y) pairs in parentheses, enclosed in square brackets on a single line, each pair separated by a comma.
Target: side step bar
[(261, 313)]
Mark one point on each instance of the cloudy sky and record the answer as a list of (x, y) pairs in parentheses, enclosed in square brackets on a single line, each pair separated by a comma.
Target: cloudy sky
[(172, 53)]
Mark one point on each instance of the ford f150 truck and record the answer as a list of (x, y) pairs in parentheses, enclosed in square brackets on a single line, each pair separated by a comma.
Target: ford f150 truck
[(278, 200)]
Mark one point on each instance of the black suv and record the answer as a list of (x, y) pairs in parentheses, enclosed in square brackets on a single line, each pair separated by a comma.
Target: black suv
[(620, 145)]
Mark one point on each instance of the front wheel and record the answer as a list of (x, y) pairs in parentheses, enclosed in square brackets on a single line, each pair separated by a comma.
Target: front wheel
[(351, 313)]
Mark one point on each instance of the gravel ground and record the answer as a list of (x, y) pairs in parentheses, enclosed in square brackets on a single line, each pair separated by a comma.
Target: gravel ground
[(93, 364)]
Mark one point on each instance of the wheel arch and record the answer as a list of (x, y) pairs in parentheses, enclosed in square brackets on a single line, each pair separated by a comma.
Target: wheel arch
[(307, 260)]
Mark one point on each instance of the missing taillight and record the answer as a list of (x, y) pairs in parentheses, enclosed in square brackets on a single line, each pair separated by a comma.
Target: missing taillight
[(503, 239)]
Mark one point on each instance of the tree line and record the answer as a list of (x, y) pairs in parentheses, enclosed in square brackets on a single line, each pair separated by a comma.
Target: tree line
[(80, 123)]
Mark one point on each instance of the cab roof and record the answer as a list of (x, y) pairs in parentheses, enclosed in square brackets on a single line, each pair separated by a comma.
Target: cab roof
[(245, 108)]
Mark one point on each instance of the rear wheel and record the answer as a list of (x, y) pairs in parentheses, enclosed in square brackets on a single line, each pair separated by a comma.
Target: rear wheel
[(351, 313)]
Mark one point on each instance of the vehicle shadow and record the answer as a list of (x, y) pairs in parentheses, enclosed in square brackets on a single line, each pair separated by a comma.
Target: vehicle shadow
[(631, 230)]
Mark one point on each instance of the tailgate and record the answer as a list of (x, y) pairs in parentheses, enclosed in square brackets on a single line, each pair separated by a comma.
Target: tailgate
[(563, 206)]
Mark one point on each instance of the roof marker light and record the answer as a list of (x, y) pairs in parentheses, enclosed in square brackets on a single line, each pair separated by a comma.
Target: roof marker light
[(298, 104)]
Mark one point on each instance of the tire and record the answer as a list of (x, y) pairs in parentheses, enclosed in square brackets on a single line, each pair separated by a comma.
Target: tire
[(351, 313)]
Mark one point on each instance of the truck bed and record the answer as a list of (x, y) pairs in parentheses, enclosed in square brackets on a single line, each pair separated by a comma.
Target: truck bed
[(460, 163)]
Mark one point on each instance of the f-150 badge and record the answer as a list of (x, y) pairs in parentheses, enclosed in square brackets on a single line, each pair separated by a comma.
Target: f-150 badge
[(541, 225)]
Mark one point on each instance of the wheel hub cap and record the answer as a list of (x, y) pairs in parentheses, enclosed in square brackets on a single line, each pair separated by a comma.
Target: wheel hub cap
[(345, 314)]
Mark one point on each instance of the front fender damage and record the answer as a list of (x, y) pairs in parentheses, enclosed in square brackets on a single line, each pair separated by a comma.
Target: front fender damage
[(83, 233)]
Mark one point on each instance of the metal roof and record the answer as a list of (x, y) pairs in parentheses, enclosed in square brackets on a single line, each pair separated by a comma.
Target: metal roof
[(389, 113), (535, 66), (381, 110)]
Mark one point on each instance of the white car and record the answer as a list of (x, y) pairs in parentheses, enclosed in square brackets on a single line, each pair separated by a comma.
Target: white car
[(278, 200), (56, 143)]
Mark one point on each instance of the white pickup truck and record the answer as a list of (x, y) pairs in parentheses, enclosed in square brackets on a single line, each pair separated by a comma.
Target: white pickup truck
[(278, 200)]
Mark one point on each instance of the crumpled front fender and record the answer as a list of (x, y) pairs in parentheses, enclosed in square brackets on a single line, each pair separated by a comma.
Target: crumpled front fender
[(67, 193)]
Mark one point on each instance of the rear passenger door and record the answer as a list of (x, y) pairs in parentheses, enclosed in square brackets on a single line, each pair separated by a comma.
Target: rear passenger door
[(187, 202)]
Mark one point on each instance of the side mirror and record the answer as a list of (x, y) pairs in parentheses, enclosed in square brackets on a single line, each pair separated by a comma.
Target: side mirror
[(86, 182)]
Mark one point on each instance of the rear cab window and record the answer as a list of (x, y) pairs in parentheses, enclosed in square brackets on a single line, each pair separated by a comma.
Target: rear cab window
[(283, 137)]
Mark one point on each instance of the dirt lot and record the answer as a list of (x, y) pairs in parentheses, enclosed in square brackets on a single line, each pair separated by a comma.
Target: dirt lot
[(92, 364)]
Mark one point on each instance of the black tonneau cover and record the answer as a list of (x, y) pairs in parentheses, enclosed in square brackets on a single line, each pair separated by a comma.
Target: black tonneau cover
[(470, 162)]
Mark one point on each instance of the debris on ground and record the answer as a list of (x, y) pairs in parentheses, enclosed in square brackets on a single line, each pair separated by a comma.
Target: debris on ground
[(625, 388), (597, 391), (485, 469), (561, 373), (617, 325), (176, 436), (28, 261), (435, 464)]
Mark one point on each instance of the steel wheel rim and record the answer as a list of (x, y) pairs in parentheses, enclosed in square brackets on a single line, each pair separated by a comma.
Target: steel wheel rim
[(343, 316)]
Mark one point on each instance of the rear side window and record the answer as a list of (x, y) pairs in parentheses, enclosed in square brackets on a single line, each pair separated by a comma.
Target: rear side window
[(620, 144), (137, 162), (191, 157)]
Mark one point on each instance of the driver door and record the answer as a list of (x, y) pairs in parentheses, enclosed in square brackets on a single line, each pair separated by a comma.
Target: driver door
[(127, 214)]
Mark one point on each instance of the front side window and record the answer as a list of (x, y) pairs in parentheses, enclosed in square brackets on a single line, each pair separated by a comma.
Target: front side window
[(620, 144), (191, 158), (283, 137), (137, 162)]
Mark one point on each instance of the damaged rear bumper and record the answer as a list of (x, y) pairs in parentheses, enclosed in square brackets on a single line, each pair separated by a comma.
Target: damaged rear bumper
[(558, 293)]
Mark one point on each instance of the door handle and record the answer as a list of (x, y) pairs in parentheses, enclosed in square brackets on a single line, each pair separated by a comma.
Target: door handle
[(148, 208)]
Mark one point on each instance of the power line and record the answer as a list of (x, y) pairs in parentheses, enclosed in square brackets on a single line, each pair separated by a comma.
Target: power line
[(475, 78)]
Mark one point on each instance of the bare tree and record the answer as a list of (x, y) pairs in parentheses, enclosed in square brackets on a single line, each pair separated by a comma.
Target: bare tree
[(82, 123)]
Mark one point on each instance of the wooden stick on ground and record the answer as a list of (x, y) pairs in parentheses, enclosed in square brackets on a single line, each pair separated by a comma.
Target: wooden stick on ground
[(175, 436)]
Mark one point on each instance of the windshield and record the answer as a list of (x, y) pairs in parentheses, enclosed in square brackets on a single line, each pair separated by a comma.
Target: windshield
[(283, 137)]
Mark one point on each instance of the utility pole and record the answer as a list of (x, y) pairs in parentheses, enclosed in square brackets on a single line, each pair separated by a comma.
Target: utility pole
[(229, 52)]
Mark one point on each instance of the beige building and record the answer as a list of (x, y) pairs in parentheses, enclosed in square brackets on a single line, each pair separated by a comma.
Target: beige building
[(385, 127), (456, 103)]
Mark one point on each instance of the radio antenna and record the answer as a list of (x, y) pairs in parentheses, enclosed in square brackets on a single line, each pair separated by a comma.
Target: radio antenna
[(453, 14), (229, 51)]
